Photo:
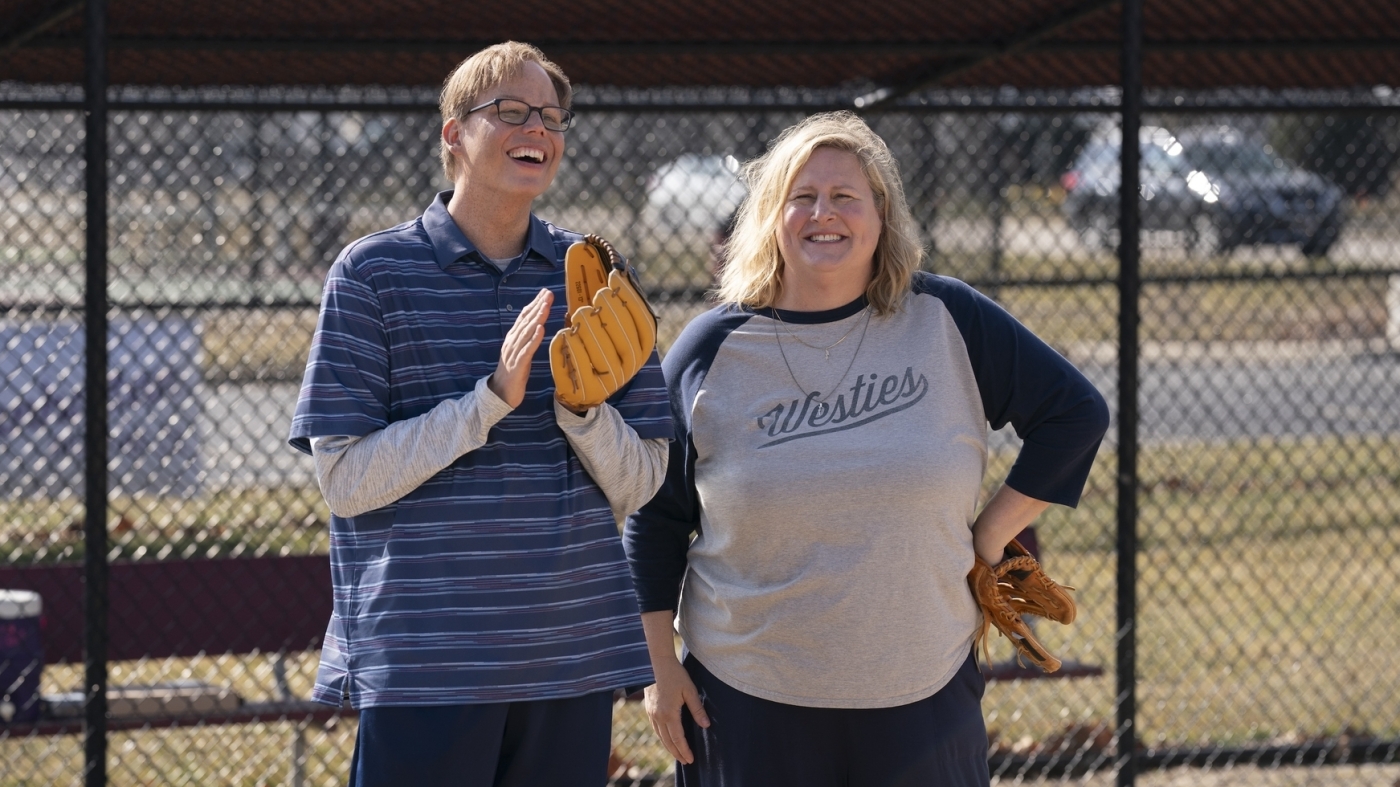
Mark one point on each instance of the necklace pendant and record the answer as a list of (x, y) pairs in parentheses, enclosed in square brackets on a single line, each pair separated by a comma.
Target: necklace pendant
[(828, 356)]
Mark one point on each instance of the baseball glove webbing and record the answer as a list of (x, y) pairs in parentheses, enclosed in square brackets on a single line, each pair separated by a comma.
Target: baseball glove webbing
[(1014, 587), (609, 328)]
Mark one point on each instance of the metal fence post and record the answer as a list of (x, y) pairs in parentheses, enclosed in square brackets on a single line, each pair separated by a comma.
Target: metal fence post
[(1128, 248), (95, 406)]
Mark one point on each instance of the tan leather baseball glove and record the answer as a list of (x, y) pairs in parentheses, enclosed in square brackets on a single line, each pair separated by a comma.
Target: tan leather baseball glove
[(609, 328), (1014, 587)]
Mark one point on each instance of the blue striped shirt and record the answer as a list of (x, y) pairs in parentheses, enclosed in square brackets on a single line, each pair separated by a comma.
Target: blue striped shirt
[(502, 577)]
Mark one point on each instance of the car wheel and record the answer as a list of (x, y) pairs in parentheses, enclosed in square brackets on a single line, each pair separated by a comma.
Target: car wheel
[(1097, 232), (1327, 234)]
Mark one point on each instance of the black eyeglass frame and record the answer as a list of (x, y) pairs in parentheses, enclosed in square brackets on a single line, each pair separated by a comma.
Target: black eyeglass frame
[(496, 102)]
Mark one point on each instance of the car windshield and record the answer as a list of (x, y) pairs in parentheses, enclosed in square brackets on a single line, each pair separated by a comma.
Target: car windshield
[(1233, 159), (709, 166), (1160, 162), (1101, 160)]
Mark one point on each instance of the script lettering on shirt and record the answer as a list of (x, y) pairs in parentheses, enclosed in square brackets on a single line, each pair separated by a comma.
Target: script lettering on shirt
[(870, 398)]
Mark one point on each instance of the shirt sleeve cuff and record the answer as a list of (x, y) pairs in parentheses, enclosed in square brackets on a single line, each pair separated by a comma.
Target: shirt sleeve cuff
[(566, 418), (491, 407)]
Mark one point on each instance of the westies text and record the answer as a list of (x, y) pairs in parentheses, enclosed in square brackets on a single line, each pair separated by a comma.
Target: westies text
[(871, 398)]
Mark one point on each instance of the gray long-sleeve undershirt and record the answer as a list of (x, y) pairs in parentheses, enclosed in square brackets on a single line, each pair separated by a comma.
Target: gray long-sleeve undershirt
[(359, 474)]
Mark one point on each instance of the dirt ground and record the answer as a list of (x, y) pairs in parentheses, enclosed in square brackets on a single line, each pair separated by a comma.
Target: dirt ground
[(1330, 776), (1246, 776)]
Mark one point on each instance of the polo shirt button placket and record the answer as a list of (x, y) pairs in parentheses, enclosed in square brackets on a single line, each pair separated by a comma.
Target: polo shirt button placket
[(506, 310)]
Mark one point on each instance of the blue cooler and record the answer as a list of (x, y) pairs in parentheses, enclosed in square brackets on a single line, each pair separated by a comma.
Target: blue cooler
[(21, 656)]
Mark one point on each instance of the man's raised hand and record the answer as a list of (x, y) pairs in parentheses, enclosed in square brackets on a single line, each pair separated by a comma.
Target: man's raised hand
[(523, 339)]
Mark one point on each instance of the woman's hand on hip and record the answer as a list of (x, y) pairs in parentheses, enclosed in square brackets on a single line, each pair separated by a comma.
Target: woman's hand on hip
[(663, 701), (1005, 515)]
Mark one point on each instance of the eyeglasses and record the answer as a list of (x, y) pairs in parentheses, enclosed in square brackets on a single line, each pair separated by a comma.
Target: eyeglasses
[(517, 113)]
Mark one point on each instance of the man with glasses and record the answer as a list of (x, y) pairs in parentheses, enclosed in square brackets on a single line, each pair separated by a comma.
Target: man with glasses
[(483, 612)]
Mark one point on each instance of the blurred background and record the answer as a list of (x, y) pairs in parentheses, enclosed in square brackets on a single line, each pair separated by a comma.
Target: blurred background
[(246, 147)]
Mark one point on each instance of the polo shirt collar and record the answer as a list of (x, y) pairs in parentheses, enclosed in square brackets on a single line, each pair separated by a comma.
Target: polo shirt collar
[(451, 245)]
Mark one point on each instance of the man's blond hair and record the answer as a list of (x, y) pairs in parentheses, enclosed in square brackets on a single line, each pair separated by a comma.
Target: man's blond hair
[(752, 275), (487, 69)]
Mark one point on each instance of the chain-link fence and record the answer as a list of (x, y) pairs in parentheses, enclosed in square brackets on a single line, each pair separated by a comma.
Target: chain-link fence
[(1268, 431)]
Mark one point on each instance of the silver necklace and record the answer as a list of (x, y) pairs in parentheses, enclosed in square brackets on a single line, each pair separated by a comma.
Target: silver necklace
[(827, 349), (805, 393)]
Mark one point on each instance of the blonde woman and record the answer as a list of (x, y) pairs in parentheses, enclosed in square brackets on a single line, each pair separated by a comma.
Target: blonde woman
[(831, 419)]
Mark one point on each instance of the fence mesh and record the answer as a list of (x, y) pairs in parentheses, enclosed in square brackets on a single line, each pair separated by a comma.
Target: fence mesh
[(1269, 366)]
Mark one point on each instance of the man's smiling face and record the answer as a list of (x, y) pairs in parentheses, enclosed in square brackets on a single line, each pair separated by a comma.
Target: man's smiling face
[(513, 160)]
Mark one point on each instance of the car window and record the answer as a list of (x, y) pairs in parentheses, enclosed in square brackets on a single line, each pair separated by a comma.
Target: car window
[(1160, 163), (711, 165), (1097, 158), (1101, 160), (1234, 159)]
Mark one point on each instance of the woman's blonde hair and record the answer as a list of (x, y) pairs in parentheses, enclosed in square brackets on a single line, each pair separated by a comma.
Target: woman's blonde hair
[(487, 69), (752, 274)]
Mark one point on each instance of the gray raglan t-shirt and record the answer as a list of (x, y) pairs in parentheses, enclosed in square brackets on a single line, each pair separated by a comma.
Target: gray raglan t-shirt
[(832, 507)]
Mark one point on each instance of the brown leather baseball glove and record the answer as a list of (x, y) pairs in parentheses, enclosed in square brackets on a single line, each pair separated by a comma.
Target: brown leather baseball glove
[(609, 328), (1014, 587)]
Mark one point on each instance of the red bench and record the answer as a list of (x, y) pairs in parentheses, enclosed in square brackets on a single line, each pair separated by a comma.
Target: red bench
[(186, 608)]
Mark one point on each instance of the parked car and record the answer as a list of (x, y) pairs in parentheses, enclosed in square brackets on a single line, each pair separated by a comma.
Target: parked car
[(1216, 185), (1091, 187), (1259, 197), (686, 200)]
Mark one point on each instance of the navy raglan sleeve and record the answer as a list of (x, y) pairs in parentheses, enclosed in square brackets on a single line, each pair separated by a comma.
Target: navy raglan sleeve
[(643, 401), (1059, 415), (657, 537)]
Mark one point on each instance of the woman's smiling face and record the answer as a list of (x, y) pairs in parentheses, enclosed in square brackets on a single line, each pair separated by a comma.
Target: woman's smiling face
[(830, 225)]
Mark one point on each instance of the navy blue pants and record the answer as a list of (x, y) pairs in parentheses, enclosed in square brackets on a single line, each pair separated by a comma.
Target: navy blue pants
[(545, 743), (940, 741)]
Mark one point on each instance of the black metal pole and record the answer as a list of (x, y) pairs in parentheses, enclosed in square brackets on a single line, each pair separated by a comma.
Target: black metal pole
[(95, 406), (1129, 283)]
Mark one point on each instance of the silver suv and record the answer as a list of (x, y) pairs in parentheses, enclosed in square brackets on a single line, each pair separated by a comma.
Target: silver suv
[(687, 199)]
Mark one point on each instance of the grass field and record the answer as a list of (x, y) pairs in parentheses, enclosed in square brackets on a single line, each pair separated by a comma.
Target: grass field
[(257, 521), (1247, 776), (1265, 615), (1266, 567), (1259, 613), (272, 344), (251, 344), (264, 343)]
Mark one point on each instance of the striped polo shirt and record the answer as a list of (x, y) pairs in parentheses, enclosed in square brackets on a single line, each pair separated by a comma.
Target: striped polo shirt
[(502, 577)]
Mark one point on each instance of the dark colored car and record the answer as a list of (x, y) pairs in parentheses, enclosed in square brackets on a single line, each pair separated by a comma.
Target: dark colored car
[(1261, 198), (1217, 186), (1091, 187)]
